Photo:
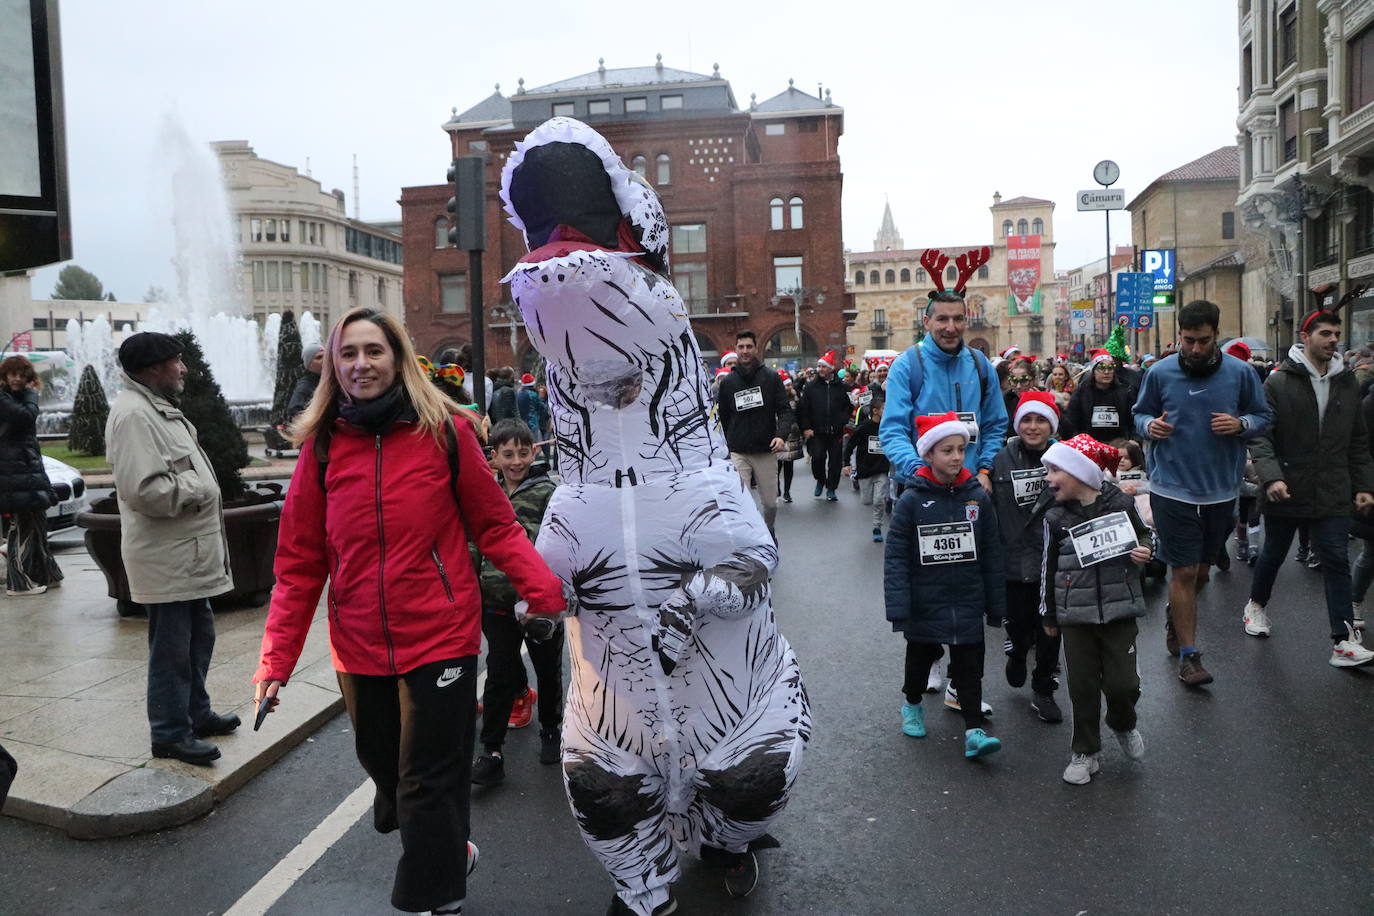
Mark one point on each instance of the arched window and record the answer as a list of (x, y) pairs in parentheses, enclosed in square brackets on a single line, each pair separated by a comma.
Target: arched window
[(663, 169), (872, 278), (441, 233), (775, 213), (906, 275), (641, 166), (1038, 227), (858, 278), (795, 205), (1006, 227), (890, 277), (1022, 228), (951, 274)]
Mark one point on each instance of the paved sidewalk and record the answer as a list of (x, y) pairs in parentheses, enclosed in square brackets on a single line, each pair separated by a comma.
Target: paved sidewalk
[(73, 677)]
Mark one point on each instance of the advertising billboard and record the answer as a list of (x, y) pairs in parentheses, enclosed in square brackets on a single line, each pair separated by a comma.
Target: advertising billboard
[(1023, 275)]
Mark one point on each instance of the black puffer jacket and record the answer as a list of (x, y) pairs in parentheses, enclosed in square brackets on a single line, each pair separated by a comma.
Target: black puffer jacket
[(1112, 409), (23, 482), (1021, 497), (824, 407), (1071, 595)]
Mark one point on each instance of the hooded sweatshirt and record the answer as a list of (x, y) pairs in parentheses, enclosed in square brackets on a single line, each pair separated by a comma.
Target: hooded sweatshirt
[(1321, 384)]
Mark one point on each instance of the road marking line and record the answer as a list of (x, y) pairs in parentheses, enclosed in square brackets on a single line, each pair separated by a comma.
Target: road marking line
[(274, 885)]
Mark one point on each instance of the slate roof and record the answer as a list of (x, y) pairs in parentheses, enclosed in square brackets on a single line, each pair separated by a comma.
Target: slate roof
[(791, 99), (623, 77), (1022, 202), (1220, 164), (495, 107)]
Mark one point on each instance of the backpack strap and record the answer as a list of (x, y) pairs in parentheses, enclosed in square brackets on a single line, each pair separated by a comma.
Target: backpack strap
[(980, 364)]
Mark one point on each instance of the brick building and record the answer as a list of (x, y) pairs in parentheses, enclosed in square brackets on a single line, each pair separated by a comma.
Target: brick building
[(752, 195)]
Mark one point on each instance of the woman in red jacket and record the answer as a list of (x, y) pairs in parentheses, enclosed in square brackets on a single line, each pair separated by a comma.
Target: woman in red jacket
[(382, 504)]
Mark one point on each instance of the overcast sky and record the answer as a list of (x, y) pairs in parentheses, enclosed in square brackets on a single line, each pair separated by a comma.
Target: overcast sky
[(943, 105)]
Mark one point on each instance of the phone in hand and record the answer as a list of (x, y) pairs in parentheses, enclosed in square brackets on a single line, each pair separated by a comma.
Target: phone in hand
[(264, 705)]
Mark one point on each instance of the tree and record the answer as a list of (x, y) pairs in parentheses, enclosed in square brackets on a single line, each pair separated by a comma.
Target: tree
[(289, 368), (155, 293), (75, 282), (204, 405), (89, 412)]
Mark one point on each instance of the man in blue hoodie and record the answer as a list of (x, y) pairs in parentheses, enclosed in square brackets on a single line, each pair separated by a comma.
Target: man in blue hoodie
[(1197, 410), (937, 375)]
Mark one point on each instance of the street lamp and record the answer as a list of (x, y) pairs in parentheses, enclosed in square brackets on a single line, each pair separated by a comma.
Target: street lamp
[(507, 311), (797, 294)]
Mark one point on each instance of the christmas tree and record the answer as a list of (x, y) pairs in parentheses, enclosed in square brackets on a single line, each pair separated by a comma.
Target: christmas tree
[(204, 405), (289, 368), (89, 412)]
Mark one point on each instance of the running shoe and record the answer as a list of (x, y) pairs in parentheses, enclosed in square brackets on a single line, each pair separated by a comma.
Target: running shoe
[(1081, 769), (1046, 708), (877, 535), (1348, 652), (743, 876), (522, 710), (952, 701), (830, 496), (1191, 672), (488, 770), (1132, 744), (978, 743), (1256, 621), (1016, 670), (819, 488), (913, 720), (934, 681)]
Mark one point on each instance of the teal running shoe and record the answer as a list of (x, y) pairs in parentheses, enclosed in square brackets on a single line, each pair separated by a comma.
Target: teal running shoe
[(978, 743), (913, 720)]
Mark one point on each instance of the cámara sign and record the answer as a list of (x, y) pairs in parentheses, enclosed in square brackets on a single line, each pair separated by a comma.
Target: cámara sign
[(1102, 199)]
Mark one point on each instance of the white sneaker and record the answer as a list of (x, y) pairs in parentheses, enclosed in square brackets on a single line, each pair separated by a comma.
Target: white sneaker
[(934, 682), (1256, 621), (1132, 745), (25, 593), (952, 701), (1081, 769), (1348, 652)]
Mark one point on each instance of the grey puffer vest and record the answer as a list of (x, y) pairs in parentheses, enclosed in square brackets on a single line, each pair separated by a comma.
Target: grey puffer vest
[(1106, 591)]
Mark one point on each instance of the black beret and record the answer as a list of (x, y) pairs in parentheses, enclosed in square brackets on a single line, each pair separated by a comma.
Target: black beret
[(147, 348)]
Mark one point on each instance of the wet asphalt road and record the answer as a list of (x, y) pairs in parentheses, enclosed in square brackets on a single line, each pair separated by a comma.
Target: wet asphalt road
[(1254, 796)]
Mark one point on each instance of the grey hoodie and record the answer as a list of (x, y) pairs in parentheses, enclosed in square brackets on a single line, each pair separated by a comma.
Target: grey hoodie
[(1321, 384)]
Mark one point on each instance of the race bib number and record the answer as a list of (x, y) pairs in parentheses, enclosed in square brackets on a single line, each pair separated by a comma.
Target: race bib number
[(1132, 476), (1105, 417), (969, 420), (749, 398), (1027, 484), (865, 399), (1102, 538), (875, 445), (949, 543)]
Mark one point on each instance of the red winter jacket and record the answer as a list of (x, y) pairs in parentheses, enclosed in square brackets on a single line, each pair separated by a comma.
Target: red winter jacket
[(393, 545)]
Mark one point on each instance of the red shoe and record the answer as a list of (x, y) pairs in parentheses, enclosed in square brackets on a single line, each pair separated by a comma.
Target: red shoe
[(522, 710)]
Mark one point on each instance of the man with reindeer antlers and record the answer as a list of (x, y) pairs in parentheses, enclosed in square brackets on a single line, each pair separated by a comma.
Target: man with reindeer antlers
[(940, 374)]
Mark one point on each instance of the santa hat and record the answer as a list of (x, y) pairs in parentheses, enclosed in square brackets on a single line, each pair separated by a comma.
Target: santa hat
[(527, 380), (932, 428), (831, 359), (1083, 457), (1009, 352), (727, 355), (1239, 350), (722, 371), (1037, 402), (1101, 356)]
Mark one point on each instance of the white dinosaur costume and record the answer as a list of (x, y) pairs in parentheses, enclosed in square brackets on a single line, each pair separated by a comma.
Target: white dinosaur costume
[(686, 716)]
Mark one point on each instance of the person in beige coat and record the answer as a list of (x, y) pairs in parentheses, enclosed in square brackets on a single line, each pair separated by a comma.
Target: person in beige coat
[(172, 539)]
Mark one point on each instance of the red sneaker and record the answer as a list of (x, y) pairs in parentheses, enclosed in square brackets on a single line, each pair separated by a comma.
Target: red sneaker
[(522, 710)]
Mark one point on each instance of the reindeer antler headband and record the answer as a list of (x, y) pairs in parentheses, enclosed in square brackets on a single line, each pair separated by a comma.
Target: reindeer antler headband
[(934, 261)]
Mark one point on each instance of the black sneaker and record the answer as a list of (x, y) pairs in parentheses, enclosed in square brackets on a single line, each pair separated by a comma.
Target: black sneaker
[(1016, 670), (1045, 706), (488, 770), (550, 747), (1302, 554), (216, 725), (188, 750), (743, 876)]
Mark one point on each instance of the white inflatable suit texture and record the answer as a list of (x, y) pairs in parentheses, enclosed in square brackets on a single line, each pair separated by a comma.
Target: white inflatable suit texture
[(686, 717)]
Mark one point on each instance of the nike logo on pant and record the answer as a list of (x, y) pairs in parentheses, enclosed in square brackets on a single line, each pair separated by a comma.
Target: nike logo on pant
[(449, 676)]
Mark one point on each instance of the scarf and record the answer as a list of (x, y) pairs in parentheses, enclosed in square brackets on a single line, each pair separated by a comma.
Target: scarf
[(376, 415)]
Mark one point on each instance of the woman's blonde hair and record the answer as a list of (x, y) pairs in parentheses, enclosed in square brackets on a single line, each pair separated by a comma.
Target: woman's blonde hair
[(432, 405)]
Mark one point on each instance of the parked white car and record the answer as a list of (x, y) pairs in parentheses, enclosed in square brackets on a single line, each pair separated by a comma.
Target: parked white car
[(71, 493)]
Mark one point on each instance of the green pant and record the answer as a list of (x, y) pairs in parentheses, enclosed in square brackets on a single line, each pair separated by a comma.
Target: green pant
[(1101, 662)]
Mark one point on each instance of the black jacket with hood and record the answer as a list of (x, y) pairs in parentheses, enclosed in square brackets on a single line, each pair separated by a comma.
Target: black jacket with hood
[(752, 429), (1021, 497)]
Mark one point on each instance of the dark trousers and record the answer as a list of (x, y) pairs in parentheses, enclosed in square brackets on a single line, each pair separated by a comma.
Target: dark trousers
[(1330, 539), (181, 639), (1100, 661), (785, 478), (506, 678), (825, 459), (413, 735), (1024, 631), (965, 673)]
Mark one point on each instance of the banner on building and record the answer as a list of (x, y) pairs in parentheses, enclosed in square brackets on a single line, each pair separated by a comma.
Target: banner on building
[(1023, 275)]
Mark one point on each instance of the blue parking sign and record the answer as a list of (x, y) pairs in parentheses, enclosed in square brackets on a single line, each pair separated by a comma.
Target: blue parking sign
[(1135, 299), (1161, 263)]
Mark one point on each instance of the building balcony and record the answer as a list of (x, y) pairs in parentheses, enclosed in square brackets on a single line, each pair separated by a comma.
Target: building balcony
[(880, 327), (978, 321)]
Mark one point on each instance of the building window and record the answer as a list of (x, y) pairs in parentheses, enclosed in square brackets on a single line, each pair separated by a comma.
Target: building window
[(273, 276), (880, 319), (1022, 227), (1288, 128), (255, 230), (1038, 226), (950, 274), (872, 278), (670, 103), (795, 208), (775, 213), (287, 272), (689, 238), (983, 272), (858, 278), (1247, 72), (271, 230), (787, 273), (890, 276), (1006, 228), (1360, 70), (305, 277), (441, 233), (1363, 201), (906, 275), (1288, 36), (453, 292), (301, 226), (313, 235), (286, 230), (774, 130), (640, 165), (478, 146), (259, 276), (690, 282), (663, 170), (1228, 224), (1325, 239), (353, 284), (634, 106), (599, 107), (564, 109)]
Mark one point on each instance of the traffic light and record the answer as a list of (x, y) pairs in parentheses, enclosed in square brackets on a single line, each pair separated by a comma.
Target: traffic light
[(467, 209)]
